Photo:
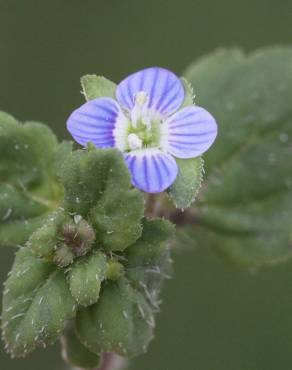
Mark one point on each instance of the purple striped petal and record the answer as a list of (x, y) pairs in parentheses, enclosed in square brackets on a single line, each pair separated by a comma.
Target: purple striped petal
[(152, 170), (189, 132), (165, 90), (95, 122)]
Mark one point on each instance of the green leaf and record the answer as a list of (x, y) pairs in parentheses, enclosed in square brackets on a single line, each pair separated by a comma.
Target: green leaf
[(246, 209), (43, 242), (75, 354), (19, 215), (85, 278), (29, 189), (148, 260), (23, 158), (121, 321), (189, 94), (117, 217), (36, 304), (157, 234), (97, 87), (186, 186), (188, 182), (62, 151), (97, 184), (17, 232)]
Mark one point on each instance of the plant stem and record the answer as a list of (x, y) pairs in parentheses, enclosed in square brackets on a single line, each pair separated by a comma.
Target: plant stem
[(111, 361), (151, 206)]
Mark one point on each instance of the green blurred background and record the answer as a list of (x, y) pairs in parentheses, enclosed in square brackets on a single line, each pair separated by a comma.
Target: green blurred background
[(214, 317)]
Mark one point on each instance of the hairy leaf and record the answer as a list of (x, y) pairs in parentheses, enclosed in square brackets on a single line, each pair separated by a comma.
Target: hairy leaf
[(148, 260), (189, 94), (121, 321), (97, 86), (76, 354), (147, 251), (36, 305), (43, 242), (246, 209), (85, 278), (28, 183), (117, 218), (187, 184), (97, 184)]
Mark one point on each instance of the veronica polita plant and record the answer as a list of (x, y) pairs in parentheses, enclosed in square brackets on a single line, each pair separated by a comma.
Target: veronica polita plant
[(94, 226)]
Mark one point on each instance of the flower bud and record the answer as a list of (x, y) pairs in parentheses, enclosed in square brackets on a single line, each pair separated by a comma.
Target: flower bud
[(63, 256), (115, 270), (79, 237)]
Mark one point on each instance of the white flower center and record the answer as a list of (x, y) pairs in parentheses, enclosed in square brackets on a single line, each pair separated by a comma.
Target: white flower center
[(139, 128), (140, 112), (134, 142)]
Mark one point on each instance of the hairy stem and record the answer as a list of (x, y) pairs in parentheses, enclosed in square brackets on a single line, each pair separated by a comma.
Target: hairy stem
[(111, 361), (152, 207)]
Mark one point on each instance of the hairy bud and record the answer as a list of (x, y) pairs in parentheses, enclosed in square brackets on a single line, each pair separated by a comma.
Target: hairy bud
[(79, 237), (63, 256)]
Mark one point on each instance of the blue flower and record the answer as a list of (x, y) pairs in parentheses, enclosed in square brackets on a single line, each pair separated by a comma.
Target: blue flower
[(146, 123)]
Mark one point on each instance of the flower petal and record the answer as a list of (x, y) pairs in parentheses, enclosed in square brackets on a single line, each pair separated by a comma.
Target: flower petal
[(189, 132), (152, 170), (95, 121), (165, 90)]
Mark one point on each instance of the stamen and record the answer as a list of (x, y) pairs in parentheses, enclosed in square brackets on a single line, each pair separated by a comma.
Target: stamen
[(140, 111), (140, 107), (134, 142), (146, 120)]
